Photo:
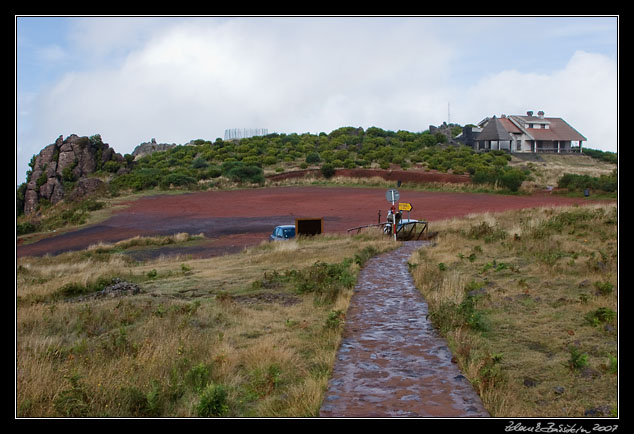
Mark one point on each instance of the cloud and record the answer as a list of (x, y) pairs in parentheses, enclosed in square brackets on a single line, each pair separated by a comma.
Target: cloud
[(177, 79), (194, 79), (584, 93)]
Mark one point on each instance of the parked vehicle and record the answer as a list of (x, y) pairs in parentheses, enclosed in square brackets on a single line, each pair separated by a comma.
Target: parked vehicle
[(282, 233)]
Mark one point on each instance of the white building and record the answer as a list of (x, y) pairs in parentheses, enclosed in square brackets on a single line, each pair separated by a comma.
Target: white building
[(528, 133)]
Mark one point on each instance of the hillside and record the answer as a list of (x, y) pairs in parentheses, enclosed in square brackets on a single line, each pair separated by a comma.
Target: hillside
[(70, 170), (108, 331)]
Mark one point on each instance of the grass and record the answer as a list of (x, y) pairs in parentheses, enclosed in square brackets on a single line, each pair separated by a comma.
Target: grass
[(550, 167), (528, 302), (214, 337)]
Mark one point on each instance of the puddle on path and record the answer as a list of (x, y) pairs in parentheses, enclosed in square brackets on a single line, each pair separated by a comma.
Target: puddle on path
[(391, 362)]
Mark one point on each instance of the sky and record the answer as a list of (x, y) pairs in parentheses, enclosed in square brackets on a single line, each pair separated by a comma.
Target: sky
[(175, 79)]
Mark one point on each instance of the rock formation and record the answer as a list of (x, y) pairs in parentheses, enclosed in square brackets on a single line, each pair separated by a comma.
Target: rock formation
[(147, 148), (66, 162)]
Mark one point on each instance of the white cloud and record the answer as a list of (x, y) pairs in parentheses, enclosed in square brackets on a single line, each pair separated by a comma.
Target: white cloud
[(194, 79), (178, 79), (584, 93)]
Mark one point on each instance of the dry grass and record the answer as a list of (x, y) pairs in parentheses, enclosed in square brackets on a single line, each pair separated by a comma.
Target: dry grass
[(536, 278), (549, 170), (196, 323)]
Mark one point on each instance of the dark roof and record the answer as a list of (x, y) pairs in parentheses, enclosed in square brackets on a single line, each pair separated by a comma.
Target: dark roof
[(498, 129)]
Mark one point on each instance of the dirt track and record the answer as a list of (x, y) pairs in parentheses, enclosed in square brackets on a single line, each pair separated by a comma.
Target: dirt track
[(235, 219)]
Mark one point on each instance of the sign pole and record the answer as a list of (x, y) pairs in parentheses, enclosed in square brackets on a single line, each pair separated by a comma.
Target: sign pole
[(393, 216), (392, 196)]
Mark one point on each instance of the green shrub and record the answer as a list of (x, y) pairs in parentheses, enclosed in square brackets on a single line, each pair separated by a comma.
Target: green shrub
[(212, 172), (239, 172), (325, 280), (328, 170), (600, 316), (25, 228), (313, 158), (139, 404), (269, 160), (178, 179), (573, 182), (73, 289), (512, 179), (578, 360), (604, 288), (73, 401), (198, 377), (200, 163), (335, 319), (449, 315), (212, 402)]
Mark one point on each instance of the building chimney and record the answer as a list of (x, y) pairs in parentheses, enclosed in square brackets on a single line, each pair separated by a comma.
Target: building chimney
[(529, 113), (540, 114)]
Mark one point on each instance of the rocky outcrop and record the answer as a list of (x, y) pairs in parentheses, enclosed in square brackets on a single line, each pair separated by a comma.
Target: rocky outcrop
[(66, 163), (147, 148)]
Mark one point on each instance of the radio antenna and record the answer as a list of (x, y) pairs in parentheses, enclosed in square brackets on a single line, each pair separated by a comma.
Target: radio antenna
[(448, 114)]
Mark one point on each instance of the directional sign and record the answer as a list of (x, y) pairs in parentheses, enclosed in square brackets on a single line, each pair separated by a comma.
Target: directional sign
[(404, 206), (392, 195)]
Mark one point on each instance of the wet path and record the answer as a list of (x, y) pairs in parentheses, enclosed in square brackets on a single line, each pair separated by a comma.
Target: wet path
[(391, 361)]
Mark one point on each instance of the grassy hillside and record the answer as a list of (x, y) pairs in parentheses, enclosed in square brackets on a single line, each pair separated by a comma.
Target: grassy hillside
[(528, 301), (203, 164), (207, 165)]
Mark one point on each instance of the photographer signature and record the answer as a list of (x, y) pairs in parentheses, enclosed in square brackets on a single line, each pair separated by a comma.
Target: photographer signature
[(552, 427)]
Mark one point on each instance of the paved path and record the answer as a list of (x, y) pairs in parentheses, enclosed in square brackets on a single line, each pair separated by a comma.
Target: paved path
[(391, 361)]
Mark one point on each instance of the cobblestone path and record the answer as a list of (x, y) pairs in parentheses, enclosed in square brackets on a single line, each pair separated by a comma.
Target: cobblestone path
[(391, 362)]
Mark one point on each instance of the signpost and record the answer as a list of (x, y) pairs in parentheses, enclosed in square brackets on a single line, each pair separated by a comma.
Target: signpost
[(392, 196)]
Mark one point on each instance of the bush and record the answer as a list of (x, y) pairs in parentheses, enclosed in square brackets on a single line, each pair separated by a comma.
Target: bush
[(512, 179), (578, 360), (141, 179), (324, 280), (609, 157), (328, 170), (213, 402), (600, 316), (608, 183), (212, 172), (269, 160), (198, 377), (238, 172), (25, 228), (200, 163), (178, 179), (313, 158)]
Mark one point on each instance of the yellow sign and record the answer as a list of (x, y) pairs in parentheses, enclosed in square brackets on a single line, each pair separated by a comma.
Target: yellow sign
[(405, 206)]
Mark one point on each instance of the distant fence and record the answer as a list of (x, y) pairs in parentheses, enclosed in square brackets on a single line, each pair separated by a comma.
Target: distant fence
[(244, 133)]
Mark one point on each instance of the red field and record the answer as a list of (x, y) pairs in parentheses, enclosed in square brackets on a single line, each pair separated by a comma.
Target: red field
[(234, 219)]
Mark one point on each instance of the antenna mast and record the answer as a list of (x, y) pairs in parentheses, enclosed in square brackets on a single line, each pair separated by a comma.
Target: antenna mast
[(448, 114)]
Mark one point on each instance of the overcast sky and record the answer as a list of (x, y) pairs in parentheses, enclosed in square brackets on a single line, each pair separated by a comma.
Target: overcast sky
[(175, 79)]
